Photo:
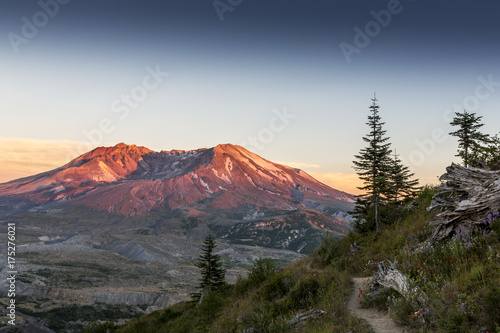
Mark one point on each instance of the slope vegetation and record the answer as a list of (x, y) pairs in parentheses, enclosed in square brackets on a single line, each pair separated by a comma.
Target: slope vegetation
[(460, 277)]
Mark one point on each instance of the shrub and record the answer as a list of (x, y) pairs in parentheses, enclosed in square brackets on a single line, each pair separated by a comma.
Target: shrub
[(278, 286), (489, 301), (329, 250), (261, 270), (305, 293), (167, 315), (212, 303), (456, 321)]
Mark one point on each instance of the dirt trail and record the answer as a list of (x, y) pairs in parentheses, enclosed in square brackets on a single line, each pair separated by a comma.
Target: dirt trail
[(379, 321)]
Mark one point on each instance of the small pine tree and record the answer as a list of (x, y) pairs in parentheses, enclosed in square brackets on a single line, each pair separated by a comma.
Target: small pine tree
[(373, 166), (403, 185), (489, 156), (469, 136), (212, 272)]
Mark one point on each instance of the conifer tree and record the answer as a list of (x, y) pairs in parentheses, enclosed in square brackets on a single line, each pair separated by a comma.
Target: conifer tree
[(212, 272), (469, 136), (372, 165), (487, 157), (401, 179)]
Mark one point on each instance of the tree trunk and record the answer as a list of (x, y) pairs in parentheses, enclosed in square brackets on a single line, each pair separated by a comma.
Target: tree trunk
[(466, 157), (465, 199), (301, 317), (390, 277)]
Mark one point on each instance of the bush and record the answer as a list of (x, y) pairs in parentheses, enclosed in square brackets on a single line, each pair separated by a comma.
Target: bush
[(456, 321), (329, 250), (261, 270), (212, 303), (489, 301), (167, 315), (401, 310), (278, 286), (305, 293)]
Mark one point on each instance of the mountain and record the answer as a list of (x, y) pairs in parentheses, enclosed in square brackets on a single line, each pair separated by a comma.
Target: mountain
[(124, 224), (130, 180)]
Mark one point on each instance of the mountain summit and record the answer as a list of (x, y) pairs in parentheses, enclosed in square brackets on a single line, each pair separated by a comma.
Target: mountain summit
[(129, 180)]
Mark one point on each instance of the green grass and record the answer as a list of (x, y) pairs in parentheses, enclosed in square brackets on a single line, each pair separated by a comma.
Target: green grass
[(265, 301), (460, 278)]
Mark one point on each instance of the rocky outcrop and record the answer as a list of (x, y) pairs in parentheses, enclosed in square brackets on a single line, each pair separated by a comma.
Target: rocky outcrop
[(128, 298)]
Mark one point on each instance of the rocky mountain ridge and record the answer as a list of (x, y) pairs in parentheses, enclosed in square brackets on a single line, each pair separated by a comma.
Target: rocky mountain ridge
[(130, 180)]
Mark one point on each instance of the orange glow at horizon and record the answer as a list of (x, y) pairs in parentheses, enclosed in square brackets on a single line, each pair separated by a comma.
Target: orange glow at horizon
[(347, 182), (21, 157)]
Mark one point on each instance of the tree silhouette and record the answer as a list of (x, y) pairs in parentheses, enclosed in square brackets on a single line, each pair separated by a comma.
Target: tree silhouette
[(373, 165), (469, 136), (401, 179), (212, 272)]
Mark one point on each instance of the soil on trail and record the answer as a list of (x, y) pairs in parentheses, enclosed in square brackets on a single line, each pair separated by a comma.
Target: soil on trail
[(379, 321)]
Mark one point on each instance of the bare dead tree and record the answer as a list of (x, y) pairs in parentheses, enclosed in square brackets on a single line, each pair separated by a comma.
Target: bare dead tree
[(465, 199), (389, 277)]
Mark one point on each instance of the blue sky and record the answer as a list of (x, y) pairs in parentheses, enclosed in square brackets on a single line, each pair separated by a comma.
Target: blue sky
[(78, 74)]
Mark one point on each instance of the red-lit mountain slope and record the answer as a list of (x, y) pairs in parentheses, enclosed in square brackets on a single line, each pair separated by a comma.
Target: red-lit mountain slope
[(130, 180)]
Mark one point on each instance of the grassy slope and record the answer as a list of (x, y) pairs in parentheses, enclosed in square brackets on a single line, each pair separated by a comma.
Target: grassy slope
[(460, 278)]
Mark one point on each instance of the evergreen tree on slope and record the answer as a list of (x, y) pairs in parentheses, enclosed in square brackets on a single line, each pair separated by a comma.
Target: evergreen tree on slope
[(403, 185), (373, 166), (470, 139), (212, 272)]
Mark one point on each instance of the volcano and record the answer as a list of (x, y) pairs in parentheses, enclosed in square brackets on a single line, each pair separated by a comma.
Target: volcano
[(131, 180), (123, 224)]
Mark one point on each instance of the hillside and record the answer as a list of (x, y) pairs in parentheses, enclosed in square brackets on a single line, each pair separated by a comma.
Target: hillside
[(460, 277), (122, 226)]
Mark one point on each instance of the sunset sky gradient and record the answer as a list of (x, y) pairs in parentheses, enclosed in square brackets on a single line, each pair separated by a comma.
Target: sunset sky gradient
[(92, 73)]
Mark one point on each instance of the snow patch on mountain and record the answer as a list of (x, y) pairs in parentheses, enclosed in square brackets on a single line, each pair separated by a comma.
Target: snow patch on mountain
[(205, 185), (224, 177), (229, 165)]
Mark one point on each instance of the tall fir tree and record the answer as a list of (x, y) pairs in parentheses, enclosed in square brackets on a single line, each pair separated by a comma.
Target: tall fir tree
[(372, 165), (470, 139), (212, 272), (403, 185)]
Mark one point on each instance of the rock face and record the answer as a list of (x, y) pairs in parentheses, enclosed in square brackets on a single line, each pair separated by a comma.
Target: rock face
[(129, 298), (131, 180)]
